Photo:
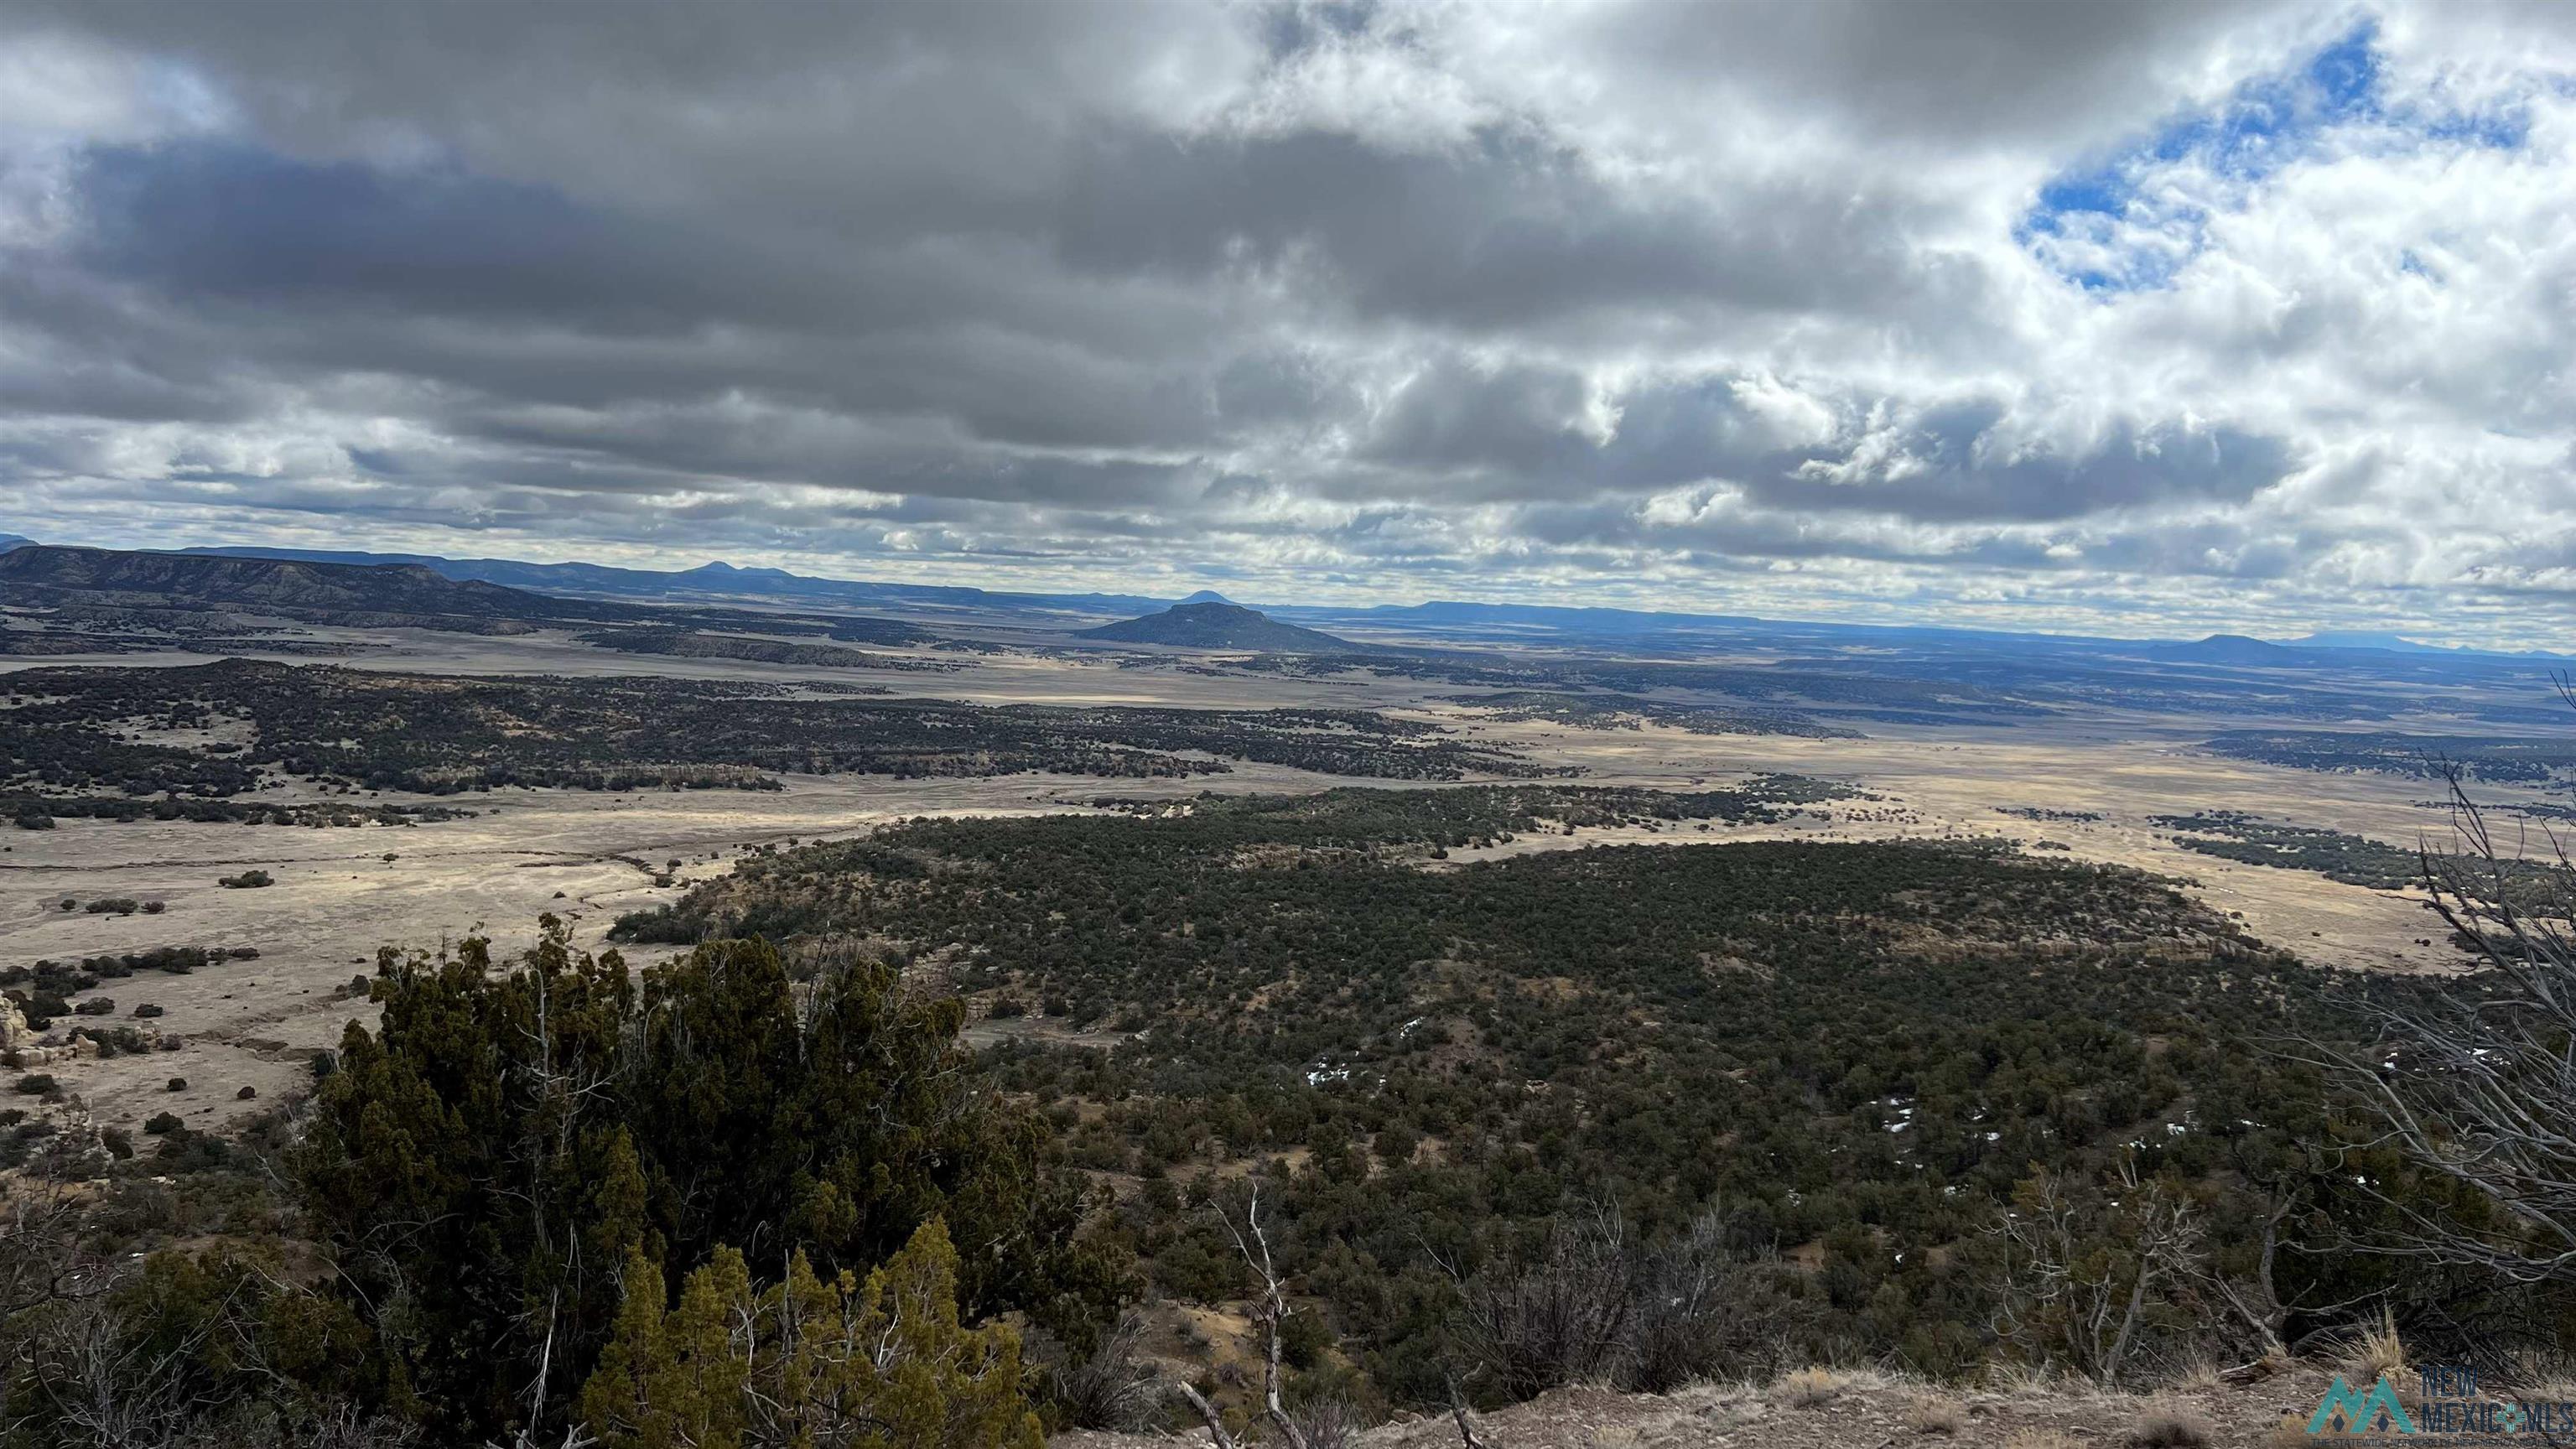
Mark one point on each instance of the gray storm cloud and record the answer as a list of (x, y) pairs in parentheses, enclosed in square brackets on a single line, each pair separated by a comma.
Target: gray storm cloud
[(2125, 316)]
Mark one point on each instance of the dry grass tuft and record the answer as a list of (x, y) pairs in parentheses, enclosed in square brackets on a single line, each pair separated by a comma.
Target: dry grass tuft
[(2171, 1426), (1932, 1414), (2199, 1376), (2292, 1432), (2023, 1381), (1808, 1388), (1870, 1378), (2377, 1353)]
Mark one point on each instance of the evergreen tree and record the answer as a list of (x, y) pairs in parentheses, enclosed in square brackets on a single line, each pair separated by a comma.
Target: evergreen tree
[(809, 1363), (490, 1164)]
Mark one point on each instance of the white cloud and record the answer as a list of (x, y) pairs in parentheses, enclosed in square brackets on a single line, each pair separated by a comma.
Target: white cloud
[(1763, 306)]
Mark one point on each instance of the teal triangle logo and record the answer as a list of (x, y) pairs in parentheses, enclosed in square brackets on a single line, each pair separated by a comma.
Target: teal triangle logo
[(2351, 1411)]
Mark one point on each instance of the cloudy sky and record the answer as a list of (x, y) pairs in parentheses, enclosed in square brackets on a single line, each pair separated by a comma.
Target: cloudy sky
[(2141, 317)]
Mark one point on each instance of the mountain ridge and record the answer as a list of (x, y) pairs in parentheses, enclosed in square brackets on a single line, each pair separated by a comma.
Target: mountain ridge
[(274, 584), (715, 577)]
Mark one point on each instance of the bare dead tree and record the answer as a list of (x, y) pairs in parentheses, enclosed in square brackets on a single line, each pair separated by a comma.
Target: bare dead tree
[(1217, 1435), (52, 1317), (2255, 1298), (1270, 1311), (560, 1096), (105, 1385), (1458, 1414), (2081, 1276), (574, 1437), (345, 1426), (2481, 1089), (2246, 1282), (43, 1259)]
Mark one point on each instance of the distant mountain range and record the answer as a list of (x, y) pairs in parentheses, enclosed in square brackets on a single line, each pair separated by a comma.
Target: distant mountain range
[(2314, 651), (715, 581), (1455, 620), (2397, 644), (1221, 625), (274, 585)]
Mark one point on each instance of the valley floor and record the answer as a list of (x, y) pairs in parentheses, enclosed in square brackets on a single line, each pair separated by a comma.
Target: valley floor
[(588, 855)]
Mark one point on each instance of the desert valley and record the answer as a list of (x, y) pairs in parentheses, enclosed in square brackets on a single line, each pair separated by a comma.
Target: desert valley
[(1855, 933), (2128, 754)]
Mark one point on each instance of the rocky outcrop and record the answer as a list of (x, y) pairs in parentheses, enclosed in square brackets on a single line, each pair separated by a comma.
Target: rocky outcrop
[(17, 1039), (24, 1047)]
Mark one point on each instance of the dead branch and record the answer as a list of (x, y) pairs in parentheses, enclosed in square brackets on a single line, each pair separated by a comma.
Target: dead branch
[(1270, 1310), (2483, 1090)]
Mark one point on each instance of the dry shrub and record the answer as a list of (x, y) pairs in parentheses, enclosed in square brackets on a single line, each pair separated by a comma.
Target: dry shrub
[(1328, 1421), (1596, 1304), (1561, 1318), (1114, 1388), (1702, 1309), (1808, 1388), (2171, 1426), (2377, 1352), (1932, 1414)]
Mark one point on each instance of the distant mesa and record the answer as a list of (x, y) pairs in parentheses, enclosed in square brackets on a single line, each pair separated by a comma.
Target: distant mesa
[(2230, 649), (719, 569), (9, 541), (1207, 596), (1220, 625)]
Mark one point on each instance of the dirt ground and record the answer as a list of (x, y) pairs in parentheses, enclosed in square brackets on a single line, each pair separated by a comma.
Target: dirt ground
[(1866, 1410)]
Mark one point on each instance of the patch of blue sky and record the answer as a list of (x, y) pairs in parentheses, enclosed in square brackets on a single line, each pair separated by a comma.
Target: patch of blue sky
[(2131, 220), (2496, 130)]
